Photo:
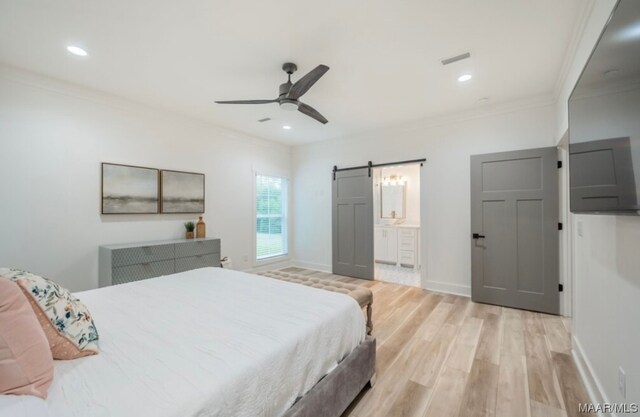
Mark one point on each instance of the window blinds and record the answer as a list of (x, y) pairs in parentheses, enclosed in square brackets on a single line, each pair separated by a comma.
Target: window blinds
[(271, 222)]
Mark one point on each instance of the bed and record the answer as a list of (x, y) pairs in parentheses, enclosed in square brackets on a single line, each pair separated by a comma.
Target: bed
[(215, 342), (362, 295)]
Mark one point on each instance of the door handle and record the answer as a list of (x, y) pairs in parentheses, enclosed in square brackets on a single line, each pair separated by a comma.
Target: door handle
[(478, 236)]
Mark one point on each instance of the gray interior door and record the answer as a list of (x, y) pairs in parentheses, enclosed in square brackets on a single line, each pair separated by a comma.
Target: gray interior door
[(514, 221), (353, 223)]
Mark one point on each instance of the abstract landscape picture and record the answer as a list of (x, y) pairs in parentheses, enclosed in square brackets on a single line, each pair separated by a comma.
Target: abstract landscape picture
[(182, 192), (129, 190)]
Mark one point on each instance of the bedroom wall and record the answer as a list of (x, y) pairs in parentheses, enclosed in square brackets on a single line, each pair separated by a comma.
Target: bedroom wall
[(53, 137), (606, 269), (445, 181)]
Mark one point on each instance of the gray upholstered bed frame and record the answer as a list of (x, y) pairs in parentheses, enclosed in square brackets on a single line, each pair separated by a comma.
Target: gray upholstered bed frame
[(332, 395)]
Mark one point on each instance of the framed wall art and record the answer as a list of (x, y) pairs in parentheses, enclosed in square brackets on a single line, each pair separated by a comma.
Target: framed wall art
[(182, 192), (130, 189)]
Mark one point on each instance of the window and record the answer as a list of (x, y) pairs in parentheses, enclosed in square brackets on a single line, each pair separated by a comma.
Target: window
[(271, 217)]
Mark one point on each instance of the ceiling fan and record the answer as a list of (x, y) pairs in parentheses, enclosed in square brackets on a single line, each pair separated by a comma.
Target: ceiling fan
[(291, 92)]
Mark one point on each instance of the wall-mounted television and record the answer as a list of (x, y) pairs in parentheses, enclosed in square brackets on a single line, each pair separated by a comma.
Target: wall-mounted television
[(604, 120)]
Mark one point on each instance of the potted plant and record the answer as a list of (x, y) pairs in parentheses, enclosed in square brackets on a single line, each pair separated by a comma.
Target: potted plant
[(190, 227)]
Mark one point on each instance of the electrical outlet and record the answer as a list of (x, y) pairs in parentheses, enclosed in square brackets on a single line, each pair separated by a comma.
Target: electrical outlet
[(622, 382), (580, 227)]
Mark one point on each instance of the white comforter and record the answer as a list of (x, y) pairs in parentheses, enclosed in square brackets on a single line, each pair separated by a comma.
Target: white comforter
[(209, 342)]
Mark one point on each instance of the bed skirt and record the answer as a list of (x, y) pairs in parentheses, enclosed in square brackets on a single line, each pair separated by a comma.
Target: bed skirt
[(332, 395)]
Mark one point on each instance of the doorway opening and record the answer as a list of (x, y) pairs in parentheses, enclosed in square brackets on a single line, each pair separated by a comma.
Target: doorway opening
[(353, 220), (396, 218)]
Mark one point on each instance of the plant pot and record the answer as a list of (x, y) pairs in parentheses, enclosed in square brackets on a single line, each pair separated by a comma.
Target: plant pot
[(189, 235)]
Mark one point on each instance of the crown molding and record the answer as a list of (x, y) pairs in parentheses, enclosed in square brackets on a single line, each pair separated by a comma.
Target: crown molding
[(572, 47)]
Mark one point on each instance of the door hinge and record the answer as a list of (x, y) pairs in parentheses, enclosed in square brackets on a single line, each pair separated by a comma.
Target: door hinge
[(370, 164), (335, 169), (560, 226), (559, 164), (560, 287)]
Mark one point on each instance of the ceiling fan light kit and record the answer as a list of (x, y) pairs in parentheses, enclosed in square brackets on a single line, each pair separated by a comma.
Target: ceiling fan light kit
[(289, 93), (288, 105)]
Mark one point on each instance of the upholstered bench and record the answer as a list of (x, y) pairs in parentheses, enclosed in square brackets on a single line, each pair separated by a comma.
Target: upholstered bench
[(362, 295)]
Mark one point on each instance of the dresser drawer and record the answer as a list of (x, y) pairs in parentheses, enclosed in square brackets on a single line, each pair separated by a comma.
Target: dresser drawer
[(407, 233), (407, 258), (197, 247), (142, 254), (407, 243), (130, 273), (199, 261)]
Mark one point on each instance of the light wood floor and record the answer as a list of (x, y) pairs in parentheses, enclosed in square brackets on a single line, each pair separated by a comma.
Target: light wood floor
[(443, 355)]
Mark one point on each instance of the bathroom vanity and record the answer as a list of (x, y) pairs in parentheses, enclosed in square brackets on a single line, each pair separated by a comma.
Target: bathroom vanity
[(398, 244)]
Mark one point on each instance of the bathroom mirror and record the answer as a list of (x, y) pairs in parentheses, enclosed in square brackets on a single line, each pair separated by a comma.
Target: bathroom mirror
[(392, 201)]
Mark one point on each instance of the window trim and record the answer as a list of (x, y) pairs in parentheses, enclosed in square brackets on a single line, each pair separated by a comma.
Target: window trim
[(286, 222)]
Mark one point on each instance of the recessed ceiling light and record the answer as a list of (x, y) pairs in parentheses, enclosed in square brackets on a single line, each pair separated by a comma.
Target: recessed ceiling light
[(76, 50), (286, 127), (464, 78)]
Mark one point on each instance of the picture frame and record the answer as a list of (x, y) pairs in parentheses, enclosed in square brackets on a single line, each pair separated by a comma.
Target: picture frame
[(129, 189), (182, 192)]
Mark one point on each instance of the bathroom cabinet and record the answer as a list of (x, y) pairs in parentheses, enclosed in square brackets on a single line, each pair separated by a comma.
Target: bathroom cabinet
[(386, 245), (397, 245)]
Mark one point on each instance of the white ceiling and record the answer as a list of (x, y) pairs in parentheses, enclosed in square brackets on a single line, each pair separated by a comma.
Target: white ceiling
[(384, 55)]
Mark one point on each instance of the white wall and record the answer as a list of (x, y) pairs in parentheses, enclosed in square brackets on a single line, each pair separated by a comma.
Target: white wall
[(54, 136), (607, 301), (445, 181), (606, 270)]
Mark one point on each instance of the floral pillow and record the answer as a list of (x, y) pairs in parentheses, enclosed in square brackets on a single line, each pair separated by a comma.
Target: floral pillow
[(66, 322)]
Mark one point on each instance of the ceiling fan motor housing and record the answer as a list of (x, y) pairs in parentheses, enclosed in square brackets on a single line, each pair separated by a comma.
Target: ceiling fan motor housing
[(284, 88)]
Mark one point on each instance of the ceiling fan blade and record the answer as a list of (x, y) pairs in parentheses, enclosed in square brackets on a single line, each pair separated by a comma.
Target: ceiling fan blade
[(311, 112), (246, 102), (304, 84)]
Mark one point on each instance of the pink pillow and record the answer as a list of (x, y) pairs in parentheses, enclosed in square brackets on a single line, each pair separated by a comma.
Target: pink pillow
[(26, 363)]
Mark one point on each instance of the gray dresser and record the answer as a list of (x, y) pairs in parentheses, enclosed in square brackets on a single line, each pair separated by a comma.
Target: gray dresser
[(119, 264)]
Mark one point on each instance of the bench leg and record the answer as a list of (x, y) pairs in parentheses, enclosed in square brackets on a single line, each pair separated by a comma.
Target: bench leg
[(369, 321)]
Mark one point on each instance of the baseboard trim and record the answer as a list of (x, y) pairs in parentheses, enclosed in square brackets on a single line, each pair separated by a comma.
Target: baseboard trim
[(312, 265), (592, 384), (445, 287)]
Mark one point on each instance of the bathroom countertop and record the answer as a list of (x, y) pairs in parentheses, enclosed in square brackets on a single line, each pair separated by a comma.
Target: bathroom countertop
[(401, 225)]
